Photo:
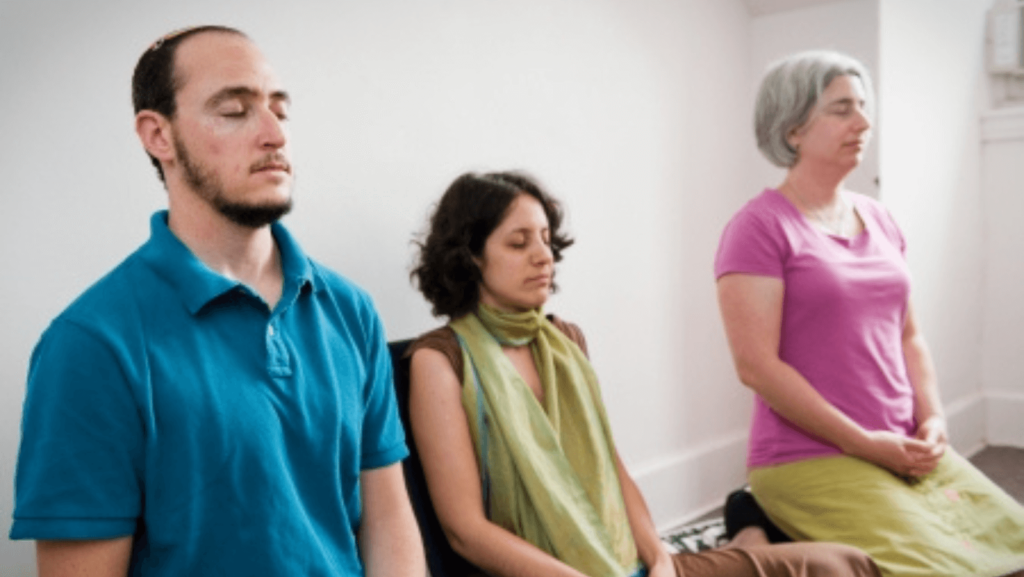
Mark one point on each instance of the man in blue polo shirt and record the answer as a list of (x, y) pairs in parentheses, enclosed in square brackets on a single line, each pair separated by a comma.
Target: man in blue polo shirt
[(219, 404)]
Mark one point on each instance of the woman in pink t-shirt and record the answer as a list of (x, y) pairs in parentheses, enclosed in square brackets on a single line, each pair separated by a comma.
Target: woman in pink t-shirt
[(848, 440)]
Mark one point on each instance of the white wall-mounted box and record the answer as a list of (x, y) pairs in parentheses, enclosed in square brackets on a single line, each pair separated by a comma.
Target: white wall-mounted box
[(1005, 38)]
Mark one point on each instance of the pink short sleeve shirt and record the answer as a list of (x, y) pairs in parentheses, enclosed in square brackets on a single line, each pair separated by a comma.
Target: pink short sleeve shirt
[(843, 314)]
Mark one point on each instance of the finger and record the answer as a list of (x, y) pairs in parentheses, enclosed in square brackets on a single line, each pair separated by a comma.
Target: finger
[(930, 459), (917, 446), (930, 453), (916, 443), (927, 465), (922, 468)]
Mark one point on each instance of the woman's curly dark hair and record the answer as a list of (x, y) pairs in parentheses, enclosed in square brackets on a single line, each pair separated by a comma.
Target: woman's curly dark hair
[(472, 207)]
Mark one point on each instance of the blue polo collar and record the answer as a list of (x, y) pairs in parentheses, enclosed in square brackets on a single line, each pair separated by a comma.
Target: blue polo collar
[(198, 285)]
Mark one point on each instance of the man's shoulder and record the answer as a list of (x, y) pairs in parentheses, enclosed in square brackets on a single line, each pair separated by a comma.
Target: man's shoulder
[(349, 299), (107, 314), (107, 299), (338, 284)]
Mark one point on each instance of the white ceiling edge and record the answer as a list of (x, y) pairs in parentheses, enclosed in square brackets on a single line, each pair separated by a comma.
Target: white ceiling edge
[(763, 7)]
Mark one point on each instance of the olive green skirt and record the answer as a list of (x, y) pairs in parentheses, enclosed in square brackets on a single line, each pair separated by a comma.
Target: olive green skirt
[(953, 522)]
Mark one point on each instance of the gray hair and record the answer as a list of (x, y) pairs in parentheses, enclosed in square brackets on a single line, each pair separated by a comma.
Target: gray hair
[(789, 92)]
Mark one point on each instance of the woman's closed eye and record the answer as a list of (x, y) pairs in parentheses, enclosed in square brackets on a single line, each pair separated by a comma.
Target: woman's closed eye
[(841, 109), (844, 107)]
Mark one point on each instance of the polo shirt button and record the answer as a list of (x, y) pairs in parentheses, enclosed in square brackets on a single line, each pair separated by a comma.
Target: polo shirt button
[(270, 330)]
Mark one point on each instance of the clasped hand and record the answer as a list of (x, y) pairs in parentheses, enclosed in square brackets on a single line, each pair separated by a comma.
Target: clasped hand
[(909, 457)]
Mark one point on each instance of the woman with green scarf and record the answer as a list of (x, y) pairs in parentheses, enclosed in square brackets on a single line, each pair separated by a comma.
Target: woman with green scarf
[(508, 419)]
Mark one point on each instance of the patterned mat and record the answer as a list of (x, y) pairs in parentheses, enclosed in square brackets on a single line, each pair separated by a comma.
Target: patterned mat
[(698, 536)]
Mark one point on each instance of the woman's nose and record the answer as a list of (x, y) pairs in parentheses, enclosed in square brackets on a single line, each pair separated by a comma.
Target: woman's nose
[(543, 255), (864, 120)]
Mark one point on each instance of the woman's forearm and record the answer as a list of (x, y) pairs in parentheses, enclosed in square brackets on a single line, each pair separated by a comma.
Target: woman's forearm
[(645, 535), (790, 395), (921, 371), (751, 309), (501, 553)]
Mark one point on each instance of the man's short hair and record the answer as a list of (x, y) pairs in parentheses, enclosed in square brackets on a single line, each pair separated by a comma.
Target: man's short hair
[(154, 82), (789, 92)]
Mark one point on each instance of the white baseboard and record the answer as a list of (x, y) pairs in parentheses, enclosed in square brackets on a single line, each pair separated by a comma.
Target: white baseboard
[(683, 487), (1005, 419), (991, 418), (966, 419)]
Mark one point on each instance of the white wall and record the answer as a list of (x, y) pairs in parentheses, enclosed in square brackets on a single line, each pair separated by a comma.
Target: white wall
[(635, 114), (1002, 373), (932, 90)]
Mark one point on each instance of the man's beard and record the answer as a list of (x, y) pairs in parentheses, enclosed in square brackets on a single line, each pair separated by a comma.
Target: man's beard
[(209, 187)]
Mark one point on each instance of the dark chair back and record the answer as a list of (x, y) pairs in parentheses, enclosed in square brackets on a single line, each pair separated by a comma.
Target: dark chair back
[(442, 561)]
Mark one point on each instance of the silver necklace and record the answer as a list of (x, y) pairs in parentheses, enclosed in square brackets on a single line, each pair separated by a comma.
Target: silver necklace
[(831, 221)]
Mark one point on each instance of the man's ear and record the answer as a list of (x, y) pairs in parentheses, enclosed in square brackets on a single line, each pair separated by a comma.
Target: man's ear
[(154, 132)]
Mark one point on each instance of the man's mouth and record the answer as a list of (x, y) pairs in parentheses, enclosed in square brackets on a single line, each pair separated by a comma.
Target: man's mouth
[(272, 164)]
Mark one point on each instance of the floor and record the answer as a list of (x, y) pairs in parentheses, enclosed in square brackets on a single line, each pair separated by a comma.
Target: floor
[(1005, 466)]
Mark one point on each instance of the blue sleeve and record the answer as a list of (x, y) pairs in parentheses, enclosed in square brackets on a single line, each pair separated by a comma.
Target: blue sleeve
[(81, 450), (383, 439)]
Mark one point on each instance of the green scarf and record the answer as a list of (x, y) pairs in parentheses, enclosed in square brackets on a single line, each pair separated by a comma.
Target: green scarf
[(548, 473)]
